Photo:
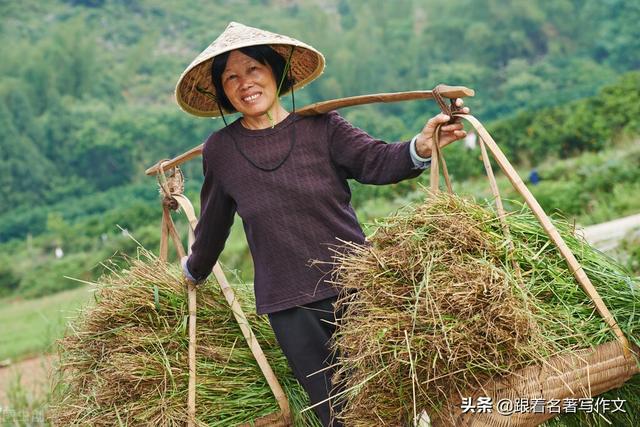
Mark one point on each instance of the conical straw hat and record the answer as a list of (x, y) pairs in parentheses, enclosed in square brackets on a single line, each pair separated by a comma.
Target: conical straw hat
[(195, 92)]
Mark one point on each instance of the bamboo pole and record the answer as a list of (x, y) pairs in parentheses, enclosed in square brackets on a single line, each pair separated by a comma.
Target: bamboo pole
[(191, 396), (252, 341), (284, 417), (326, 106), (549, 228)]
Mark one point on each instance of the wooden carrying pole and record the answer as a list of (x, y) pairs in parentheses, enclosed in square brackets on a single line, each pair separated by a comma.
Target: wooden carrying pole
[(450, 92), (169, 230)]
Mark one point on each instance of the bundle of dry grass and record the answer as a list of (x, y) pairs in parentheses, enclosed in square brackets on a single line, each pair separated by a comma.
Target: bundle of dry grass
[(124, 361), (443, 303)]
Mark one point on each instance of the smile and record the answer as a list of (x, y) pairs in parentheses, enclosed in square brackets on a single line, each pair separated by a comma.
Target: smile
[(251, 97)]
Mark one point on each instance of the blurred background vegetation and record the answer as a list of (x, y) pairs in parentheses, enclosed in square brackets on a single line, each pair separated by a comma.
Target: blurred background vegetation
[(86, 105)]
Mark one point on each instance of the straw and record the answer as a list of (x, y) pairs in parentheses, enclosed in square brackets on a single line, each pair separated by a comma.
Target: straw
[(124, 360), (442, 273)]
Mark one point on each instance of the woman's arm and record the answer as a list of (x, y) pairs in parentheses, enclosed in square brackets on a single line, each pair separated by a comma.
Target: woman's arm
[(357, 155), (217, 211)]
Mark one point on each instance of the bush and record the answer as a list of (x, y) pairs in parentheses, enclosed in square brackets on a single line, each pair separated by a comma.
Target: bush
[(567, 197), (9, 279), (49, 277)]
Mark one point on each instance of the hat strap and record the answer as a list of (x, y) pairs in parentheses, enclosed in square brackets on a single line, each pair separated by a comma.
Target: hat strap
[(221, 113), (293, 98), (287, 68), (293, 101)]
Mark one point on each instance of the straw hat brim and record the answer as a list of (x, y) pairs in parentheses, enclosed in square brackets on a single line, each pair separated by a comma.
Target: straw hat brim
[(195, 92)]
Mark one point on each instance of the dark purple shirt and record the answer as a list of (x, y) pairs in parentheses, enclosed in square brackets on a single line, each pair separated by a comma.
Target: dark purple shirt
[(291, 215)]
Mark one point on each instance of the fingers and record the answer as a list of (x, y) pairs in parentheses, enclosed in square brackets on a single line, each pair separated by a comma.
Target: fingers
[(460, 103), (456, 134), (442, 119), (448, 137), (452, 127), (452, 132), (433, 122)]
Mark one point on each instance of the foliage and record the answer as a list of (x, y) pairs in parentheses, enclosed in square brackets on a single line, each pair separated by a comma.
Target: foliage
[(85, 105), (584, 125), (86, 97), (631, 246), (594, 187), (9, 277)]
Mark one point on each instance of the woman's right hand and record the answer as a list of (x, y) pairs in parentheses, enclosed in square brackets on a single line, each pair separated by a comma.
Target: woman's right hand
[(450, 132), (185, 271)]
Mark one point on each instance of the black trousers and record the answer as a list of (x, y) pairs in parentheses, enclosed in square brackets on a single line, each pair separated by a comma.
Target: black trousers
[(304, 334)]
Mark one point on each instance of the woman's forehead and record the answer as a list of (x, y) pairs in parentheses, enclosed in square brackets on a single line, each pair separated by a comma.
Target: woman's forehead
[(238, 59)]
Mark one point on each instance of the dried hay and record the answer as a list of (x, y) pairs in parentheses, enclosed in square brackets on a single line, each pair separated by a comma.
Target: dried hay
[(439, 308), (124, 360)]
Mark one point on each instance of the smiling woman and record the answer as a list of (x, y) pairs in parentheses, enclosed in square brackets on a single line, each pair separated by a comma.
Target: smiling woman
[(246, 81), (286, 177)]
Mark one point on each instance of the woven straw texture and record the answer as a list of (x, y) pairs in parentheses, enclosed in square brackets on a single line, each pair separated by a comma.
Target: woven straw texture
[(583, 374), (306, 64)]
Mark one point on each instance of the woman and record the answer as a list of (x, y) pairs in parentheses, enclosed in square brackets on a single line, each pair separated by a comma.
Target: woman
[(286, 176)]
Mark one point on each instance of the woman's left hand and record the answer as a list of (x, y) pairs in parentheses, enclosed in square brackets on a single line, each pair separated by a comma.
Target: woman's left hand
[(448, 132)]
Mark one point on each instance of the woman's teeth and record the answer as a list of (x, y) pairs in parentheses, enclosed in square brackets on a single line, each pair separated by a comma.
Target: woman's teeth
[(250, 98)]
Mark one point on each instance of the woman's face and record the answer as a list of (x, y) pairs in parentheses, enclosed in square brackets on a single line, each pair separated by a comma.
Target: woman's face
[(249, 85)]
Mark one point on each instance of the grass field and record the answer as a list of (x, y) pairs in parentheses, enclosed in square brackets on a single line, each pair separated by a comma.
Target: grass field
[(32, 326)]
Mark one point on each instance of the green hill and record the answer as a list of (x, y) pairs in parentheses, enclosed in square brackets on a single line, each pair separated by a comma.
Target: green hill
[(86, 106)]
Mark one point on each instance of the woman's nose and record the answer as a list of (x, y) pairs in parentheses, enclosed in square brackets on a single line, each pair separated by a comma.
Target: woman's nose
[(245, 83)]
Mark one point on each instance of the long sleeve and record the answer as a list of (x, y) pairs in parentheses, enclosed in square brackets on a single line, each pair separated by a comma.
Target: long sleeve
[(370, 161), (419, 162), (217, 211)]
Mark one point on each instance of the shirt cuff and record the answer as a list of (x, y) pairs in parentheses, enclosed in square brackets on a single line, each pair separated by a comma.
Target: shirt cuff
[(419, 162), (185, 270)]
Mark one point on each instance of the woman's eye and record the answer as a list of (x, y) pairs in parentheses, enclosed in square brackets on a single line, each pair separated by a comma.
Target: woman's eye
[(231, 77)]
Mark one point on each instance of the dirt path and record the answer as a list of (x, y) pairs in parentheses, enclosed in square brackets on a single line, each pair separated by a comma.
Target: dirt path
[(605, 236), (33, 375)]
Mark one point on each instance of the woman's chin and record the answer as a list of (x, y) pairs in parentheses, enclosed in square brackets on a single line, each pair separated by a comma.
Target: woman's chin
[(255, 111)]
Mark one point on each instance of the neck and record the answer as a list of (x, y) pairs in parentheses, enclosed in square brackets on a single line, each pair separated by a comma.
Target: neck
[(274, 116)]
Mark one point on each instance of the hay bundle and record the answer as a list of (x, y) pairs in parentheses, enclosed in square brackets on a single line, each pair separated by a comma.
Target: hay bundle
[(443, 303), (125, 358)]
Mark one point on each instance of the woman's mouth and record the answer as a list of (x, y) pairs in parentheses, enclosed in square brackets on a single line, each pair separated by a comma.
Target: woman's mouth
[(251, 98)]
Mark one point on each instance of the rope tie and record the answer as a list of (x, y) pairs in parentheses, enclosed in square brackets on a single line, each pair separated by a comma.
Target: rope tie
[(437, 96), (436, 154), (170, 186), (449, 110)]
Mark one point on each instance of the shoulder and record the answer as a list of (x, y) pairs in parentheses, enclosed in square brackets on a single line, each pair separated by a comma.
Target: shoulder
[(209, 145), (328, 122), (341, 128), (215, 141), (331, 116), (334, 118)]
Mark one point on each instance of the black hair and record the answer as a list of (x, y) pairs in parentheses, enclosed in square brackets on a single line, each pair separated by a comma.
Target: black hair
[(261, 53)]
